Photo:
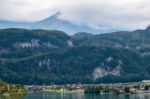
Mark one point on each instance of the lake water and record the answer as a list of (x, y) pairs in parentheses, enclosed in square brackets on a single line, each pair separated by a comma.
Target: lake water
[(47, 95)]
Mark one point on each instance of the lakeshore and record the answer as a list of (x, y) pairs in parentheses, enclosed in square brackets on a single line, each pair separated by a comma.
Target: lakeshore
[(118, 88)]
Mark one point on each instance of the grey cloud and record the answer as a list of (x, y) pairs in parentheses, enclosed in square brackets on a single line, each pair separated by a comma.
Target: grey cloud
[(128, 14)]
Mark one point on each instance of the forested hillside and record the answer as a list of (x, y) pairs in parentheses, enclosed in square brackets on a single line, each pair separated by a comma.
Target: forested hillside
[(51, 56)]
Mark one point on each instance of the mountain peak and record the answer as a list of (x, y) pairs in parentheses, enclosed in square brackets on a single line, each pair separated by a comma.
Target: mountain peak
[(53, 17), (56, 15)]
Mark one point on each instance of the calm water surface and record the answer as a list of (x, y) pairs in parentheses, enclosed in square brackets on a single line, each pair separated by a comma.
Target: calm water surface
[(47, 95)]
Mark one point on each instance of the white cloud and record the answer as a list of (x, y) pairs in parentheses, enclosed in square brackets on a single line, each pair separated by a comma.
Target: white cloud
[(130, 14)]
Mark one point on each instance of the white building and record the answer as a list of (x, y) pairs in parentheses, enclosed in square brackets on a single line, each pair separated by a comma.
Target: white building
[(146, 81)]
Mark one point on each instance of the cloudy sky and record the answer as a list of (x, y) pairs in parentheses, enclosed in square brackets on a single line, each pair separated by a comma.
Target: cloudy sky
[(129, 14)]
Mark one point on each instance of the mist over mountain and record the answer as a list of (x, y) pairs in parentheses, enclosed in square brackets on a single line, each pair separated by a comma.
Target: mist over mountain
[(55, 23)]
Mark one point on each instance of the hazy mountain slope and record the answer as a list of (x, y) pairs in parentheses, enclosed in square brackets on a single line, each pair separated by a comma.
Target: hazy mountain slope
[(10, 24), (137, 40), (55, 23)]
